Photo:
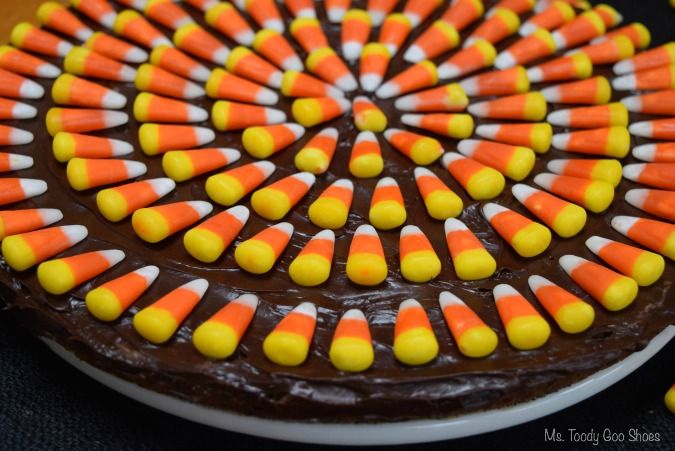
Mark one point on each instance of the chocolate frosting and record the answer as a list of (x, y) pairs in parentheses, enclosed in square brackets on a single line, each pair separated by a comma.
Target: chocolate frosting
[(315, 391)]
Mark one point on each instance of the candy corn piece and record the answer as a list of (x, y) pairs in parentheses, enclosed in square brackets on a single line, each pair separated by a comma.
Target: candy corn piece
[(550, 18), (115, 49), (536, 136), (108, 301), (596, 116), (613, 290), (655, 153), (327, 65), (394, 31), (235, 116), (480, 181), (416, 77), (263, 141), (183, 165), (570, 313), (659, 102), (608, 170), (423, 150), (70, 145), (657, 129), (495, 29), (331, 209), (517, 6), (11, 109), (379, 9), (470, 59), (365, 262), (662, 77), (13, 222), (14, 162), (313, 264), (316, 155), (276, 49), (564, 218), (529, 106), (607, 141), (299, 84), (657, 202), (308, 33), (367, 116), (526, 237), (219, 336), (198, 42), (417, 12), (131, 25), (167, 13), (74, 91), (84, 173), (153, 108), (81, 61), (57, 17), (497, 83), (82, 120), (12, 136), (373, 66), (642, 266), (274, 201), (656, 175), (207, 241), (469, 257), (224, 17), (258, 254), (573, 67), (159, 81), (177, 62), (414, 339), (655, 235), (317, 110), (247, 64), (264, 12), (63, 274), (351, 348), (158, 138), (301, 8), (224, 85), (228, 187), (99, 11), (387, 210), (639, 36), (525, 328), (160, 320), (440, 201), (288, 344), (609, 51), (355, 32), (119, 202), (365, 160), (439, 38), (473, 337), (515, 162), (537, 45), (419, 262), (593, 195), (153, 224), (450, 97), (581, 29), (463, 13), (16, 189), (663, 55), (24, 250), (20, 62), (610, 16), (592, 91), (27, 36), (202, 5)]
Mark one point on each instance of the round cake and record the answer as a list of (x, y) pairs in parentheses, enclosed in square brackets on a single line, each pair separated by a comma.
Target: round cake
[(257, 379)]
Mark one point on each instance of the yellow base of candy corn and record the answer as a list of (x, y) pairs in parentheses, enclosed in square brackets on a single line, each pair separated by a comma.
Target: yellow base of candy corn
[(204, 245), (148, 138), (312, 160), (351, 354), (366, 166), (669, 399), (76, 172), (647, 269), (214, 339), (150, 225), (387, 215), (669, 249), (178, 166), (371, 120), (487, 183), (155, 325), (620, 294), (575, 317), (255, 256), (309, 270), (55, 276), (224, 189), (521, 164), (540, 139), (307, 112), (532, 240), (328, 213), (474, 264), (618, 142), (443, 205), (270, 203), (18, 255), (569, 221), (285, 348), (528, 332), (460, 126), (366, 269), (477, 342), (103, 304), (599, 195), (425, 151), (112, 205), (258, 142), (608, 171), (421, 266), (63, 147), (416, 346)]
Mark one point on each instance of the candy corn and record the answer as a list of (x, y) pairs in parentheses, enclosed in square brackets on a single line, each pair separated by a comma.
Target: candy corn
[(463, 13), (570, 313), (198, 42), (247, 64), (159, 81), (367, 116), (264, 12), (655, 235), (219, 336), (202, 5), (258, 254), (420, 149), (469, 257), (656, 202), (331, 209), (63, 274), (316, 155), (299, 84), (224, 85), (495, 29), (153, 224), (663, 55), (179, 63), (564, 218), (70, 145), (234, 116), (288, 344), (450, 97), (81, 61), (379, 9), (497, 83), (470, 59), (301, 8), (99, 11), (327, 65), (419, 262), (473, 337), (636, 33), (642, 266), (14, 222), (657, 129), (14, 162), (440, 201), (153, 108), (592, 91), (11, 136), (57, 17), (536, 136), (659, 102), (394, 31), (183, 165), (276, 49), (365, 160), (84, 173), (656, 153), (132, 25), (263, 141), (167, 13), (608, 170), (274, 201), (414, 339), (525, 327), (613, 290), (24, 250), (610, 16), (573, 67), (440, 37), (313, 264), (515, 162), (598, 116), (160, 320), (108, 301), (16, 189), (528, 238), (27, 36), (656, 175), (119, 202), (312, 111), (418, 11), (224, 17), (74, 91), (581, 29), (550, 18), (159, 138), (453, 125), (115, 49), (308, 33), (480, 181), (228, 187), (11, 109), (82, 120), (20, 62), (387, 210), (593, 195), (537, 45), (609, 51), (418, 76), (662, 77), (530, 106), (373, 66), (365, 262), (607, 141), (351, 348), (355, 32), (207, 241)]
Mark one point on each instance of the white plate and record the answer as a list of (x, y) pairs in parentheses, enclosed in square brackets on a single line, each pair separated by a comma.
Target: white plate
[(381, 433)]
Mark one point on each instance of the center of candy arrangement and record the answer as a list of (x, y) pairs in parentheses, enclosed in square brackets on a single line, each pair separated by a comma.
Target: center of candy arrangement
[(391, 190)]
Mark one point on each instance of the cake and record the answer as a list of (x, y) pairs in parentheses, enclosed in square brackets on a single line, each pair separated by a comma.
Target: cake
[(248, 382)]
